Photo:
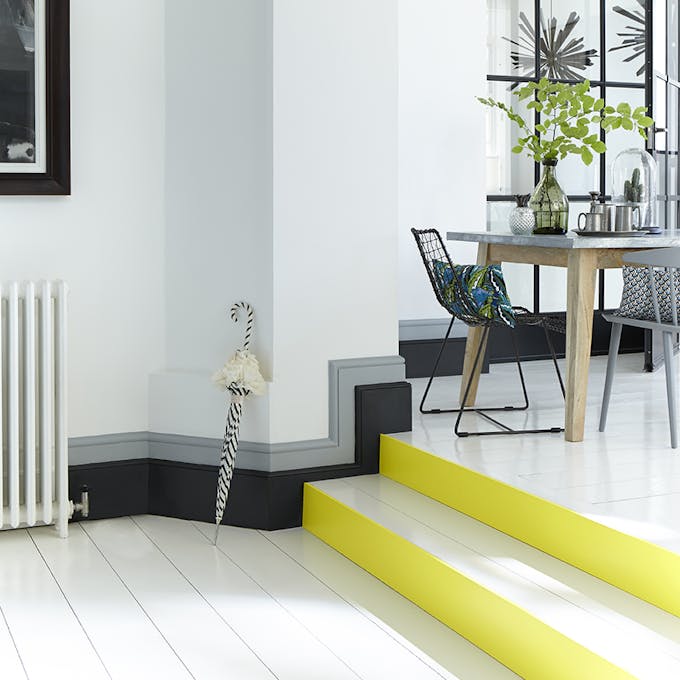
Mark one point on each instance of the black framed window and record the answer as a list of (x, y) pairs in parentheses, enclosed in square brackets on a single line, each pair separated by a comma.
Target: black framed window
[(663, 92), (605, 41), (662, 95)]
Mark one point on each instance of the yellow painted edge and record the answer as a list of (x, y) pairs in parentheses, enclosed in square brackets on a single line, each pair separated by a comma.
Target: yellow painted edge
[(505, 631), (639, 567)]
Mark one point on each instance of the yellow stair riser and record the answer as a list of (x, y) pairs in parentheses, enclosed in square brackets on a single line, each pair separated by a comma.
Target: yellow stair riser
[(523, 643), (636, 566)]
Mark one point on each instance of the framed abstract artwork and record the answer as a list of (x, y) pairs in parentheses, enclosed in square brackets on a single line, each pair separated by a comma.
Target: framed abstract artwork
[(35, 153)]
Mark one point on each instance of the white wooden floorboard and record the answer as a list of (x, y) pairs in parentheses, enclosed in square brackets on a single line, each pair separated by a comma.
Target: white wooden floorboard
[(646, 517), (10, 662), (605, 470), (290, 650), (209, 648), (48, 636), (127, 641), (411, 626), (366, 648), (640, 658)]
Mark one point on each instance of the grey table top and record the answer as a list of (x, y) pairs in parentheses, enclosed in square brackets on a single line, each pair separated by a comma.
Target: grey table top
[(668, 239)]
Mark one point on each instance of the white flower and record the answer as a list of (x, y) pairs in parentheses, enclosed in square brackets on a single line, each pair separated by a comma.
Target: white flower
[(242, 370)]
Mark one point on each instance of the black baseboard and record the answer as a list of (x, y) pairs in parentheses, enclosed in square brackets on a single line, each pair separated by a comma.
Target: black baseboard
[(378, 409), (420, 355), (257, 500), (117, 489)]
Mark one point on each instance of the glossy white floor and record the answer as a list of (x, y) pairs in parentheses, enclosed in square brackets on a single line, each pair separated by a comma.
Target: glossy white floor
[(627, 477), (149, 598)]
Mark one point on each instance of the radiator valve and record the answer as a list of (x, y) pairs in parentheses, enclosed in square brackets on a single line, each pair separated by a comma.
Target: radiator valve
[(84, 506)]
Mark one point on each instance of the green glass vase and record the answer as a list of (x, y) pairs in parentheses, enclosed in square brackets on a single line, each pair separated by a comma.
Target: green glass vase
[(549, 203)]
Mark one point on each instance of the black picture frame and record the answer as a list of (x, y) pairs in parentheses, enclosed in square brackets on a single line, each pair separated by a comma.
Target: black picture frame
[(56, 180)]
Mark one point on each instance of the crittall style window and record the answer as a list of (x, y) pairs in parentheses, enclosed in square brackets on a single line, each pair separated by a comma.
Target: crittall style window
[(663, 95), (609, 43)]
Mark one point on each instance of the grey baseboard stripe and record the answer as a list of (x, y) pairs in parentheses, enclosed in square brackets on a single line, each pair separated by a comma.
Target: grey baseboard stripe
[(429, 329), (108, 447)]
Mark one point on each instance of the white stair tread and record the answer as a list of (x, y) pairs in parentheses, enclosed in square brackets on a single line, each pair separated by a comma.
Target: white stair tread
[(633, 635), (584, 590)]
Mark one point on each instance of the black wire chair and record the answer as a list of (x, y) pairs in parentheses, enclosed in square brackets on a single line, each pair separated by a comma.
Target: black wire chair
[(434, 254)]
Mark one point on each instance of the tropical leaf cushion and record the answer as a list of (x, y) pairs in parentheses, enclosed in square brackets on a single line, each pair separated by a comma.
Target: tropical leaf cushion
[(475, 294)]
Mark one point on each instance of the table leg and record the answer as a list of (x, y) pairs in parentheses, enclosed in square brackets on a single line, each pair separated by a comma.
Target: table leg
[(474, 338), (581, 268)]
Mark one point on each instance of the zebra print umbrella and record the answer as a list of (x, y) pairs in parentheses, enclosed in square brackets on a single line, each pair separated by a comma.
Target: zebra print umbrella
[(240, 376)]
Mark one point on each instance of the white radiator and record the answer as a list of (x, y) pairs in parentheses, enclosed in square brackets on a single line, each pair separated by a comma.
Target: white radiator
[(34, 458)]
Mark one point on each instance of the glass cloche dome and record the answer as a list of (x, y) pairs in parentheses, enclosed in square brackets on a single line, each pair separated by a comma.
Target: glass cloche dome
[(634, 176)]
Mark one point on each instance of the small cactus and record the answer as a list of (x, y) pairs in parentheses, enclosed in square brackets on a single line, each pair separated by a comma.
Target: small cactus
[(522, 200), (632, 189)]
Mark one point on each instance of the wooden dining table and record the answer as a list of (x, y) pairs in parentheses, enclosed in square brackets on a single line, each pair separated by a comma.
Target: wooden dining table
[(582, 256)]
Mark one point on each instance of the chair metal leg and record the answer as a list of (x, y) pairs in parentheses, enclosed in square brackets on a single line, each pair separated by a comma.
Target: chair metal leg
[(614, 341), (671, 387), (482, 344), (422, 408), (551, 347), (434, 370), (519, 370), (483, 411)]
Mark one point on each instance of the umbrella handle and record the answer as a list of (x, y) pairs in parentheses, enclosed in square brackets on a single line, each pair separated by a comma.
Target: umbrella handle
[(249, 321)]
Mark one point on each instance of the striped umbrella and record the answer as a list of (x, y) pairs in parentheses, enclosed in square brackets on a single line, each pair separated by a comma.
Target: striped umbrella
[(240, 376)]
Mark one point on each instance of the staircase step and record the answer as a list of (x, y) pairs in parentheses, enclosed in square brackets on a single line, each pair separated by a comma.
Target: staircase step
[(639, 567), (538, 616), (448, 654)]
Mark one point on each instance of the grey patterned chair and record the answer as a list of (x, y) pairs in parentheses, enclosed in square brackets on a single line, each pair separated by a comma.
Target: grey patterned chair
[(651, 288)]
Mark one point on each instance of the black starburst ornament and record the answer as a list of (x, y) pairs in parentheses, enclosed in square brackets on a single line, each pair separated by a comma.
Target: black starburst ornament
[(634, 38), (560, 57)]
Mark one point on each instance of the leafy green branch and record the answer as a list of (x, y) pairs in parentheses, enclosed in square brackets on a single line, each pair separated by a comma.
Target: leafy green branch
[(568, 113)]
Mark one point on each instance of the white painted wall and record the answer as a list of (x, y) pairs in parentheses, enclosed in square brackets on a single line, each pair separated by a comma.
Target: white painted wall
[(218, 208), (106, 239), (335, 199), (442, 68), (282, 190), (218, 155)]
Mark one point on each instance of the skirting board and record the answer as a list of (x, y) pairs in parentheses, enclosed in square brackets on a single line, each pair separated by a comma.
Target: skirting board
[(257, 499), (420, 355)]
